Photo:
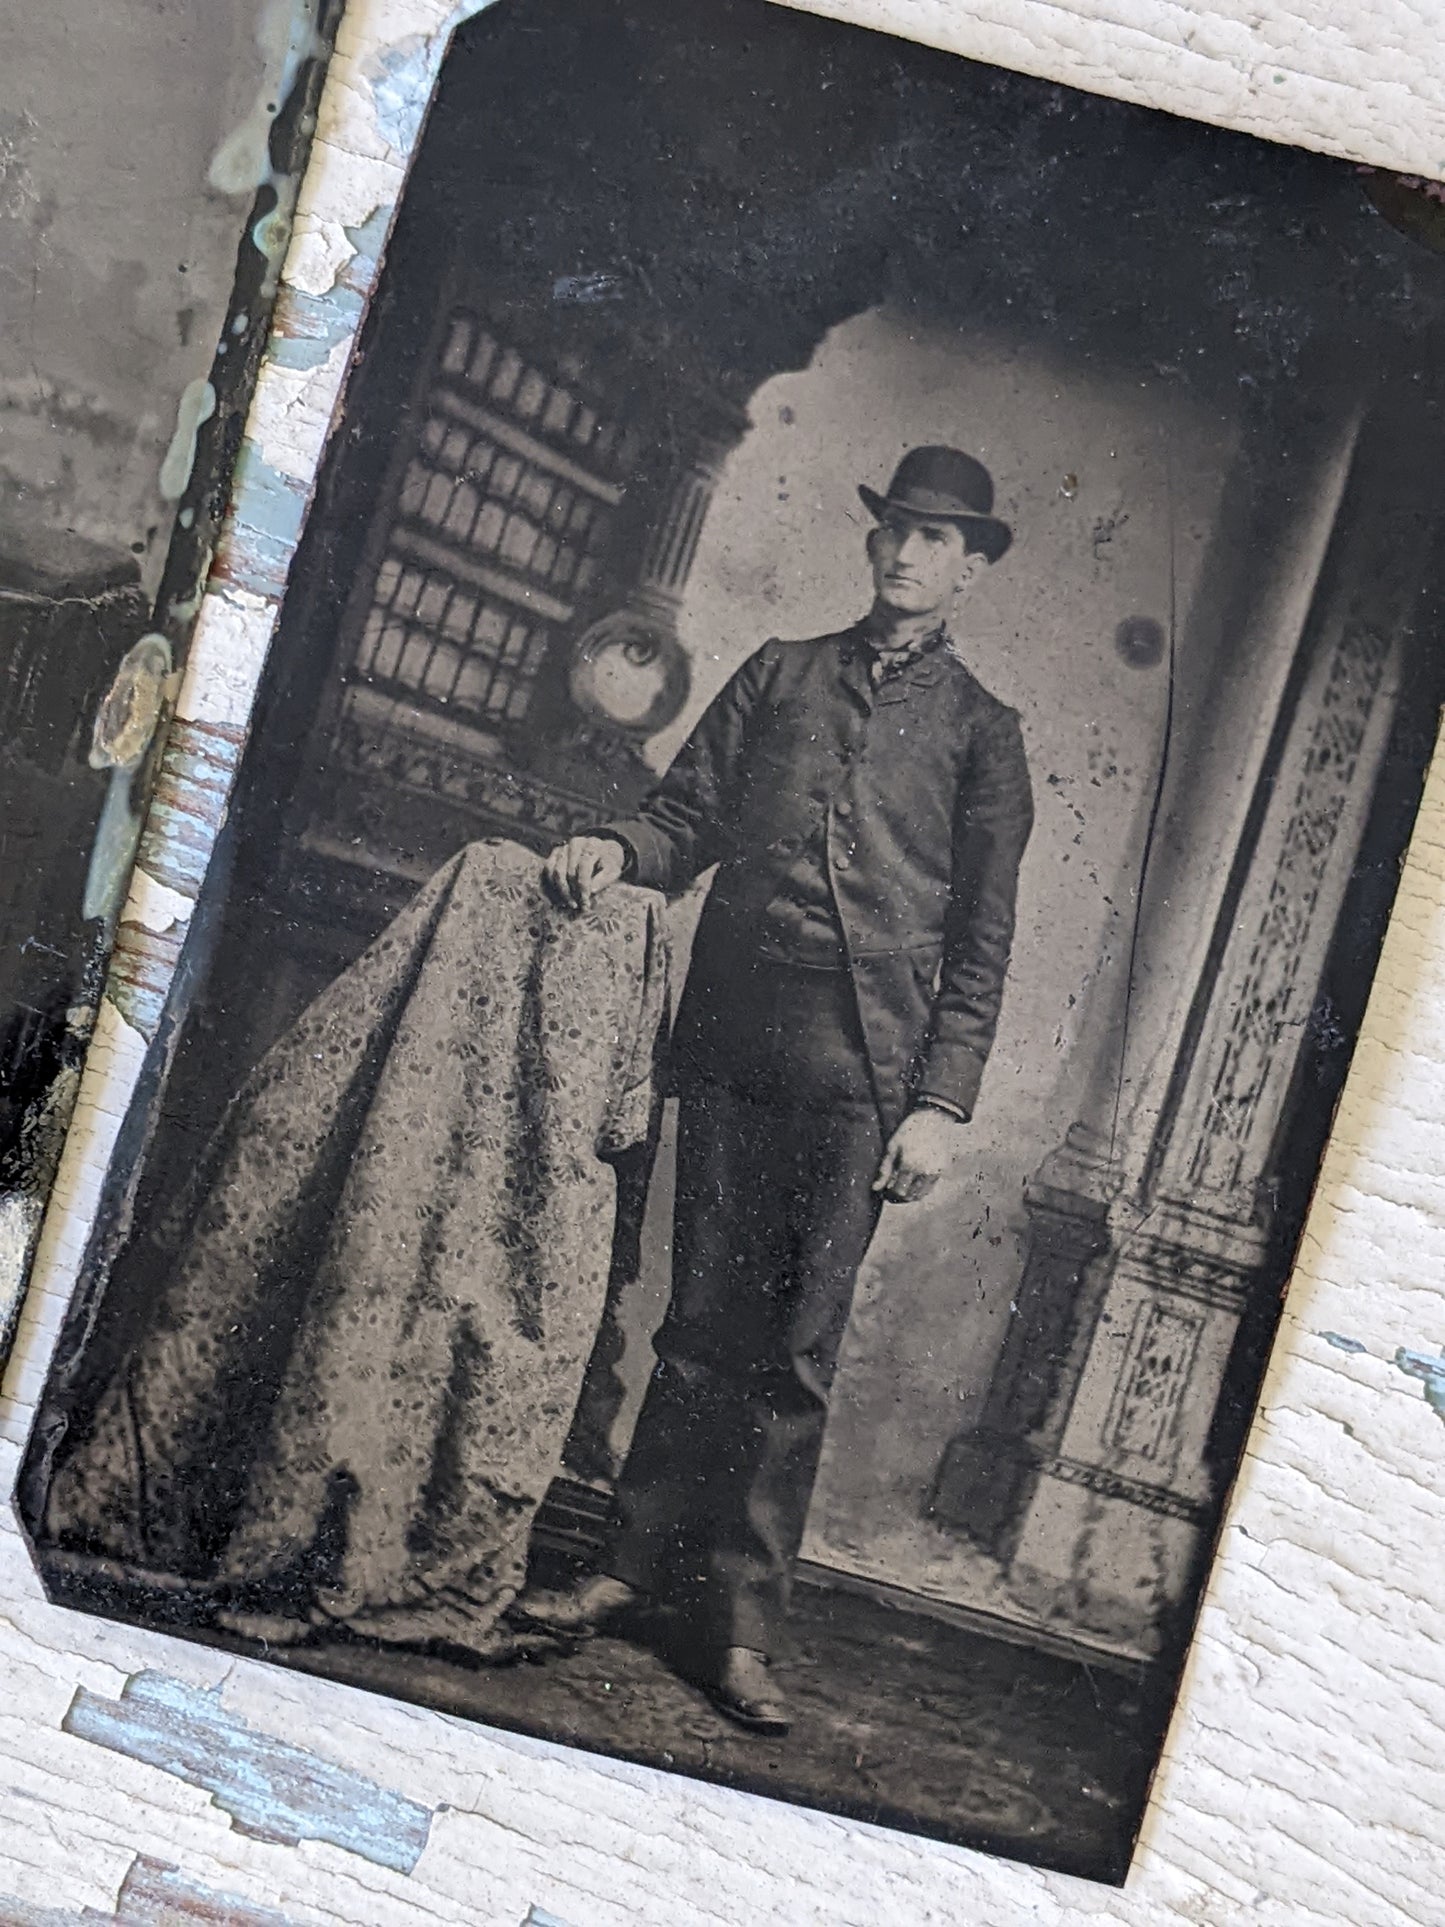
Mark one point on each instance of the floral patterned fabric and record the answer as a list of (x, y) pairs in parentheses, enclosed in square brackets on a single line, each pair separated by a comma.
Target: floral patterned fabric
[(391, 1269)]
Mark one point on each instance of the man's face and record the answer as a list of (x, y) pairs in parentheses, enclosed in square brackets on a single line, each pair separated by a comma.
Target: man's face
[(919, 565)]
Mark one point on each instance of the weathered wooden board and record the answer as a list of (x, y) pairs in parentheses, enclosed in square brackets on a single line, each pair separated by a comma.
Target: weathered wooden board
[(146, 1779)]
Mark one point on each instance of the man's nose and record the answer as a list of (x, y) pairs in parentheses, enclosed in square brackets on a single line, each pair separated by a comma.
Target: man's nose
[(910, 548)]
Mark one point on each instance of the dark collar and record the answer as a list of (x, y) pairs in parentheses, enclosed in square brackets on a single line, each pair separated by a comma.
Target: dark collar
[(919, 662)]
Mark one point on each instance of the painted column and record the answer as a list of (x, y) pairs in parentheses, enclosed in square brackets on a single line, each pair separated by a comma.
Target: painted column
[(1233, 663), (1109, 1533)]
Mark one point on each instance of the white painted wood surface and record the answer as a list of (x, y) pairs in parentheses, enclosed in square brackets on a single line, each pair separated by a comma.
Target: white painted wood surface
[(1303, 1782)]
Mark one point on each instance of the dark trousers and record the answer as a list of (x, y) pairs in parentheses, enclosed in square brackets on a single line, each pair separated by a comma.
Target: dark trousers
[(774, 1212)]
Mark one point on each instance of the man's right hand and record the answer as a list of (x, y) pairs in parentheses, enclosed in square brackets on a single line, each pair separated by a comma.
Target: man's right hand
[(582, 868)]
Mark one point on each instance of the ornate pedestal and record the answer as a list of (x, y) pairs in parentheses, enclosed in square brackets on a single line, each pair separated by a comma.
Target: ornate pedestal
[(1091, 1476)]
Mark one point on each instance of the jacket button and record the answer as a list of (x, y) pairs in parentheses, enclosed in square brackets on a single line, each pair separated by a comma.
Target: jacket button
[(841, 862), (843, 807)]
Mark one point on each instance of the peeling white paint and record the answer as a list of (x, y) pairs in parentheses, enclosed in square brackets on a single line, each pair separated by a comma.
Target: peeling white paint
[(223, 664), (155, 906), (320, 250), (292, 412)]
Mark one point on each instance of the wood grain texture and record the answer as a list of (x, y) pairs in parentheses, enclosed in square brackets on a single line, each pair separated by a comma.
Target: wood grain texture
[(1302, 1782)]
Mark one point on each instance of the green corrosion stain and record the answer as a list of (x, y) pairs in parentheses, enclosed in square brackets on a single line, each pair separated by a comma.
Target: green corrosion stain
[(272, 233), (197, 405), (285, 36)]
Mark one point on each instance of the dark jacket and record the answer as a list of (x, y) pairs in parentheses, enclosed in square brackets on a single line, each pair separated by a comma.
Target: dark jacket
[(923, 790)]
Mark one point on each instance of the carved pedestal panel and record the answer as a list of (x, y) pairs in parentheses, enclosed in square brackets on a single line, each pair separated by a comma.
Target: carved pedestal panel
[(1109, 1534)]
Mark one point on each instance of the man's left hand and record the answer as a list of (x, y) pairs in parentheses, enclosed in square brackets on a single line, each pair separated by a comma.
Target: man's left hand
[(918, 1154)]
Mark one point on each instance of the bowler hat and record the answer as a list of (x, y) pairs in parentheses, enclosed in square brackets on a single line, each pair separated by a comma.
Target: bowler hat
[(945, 484)]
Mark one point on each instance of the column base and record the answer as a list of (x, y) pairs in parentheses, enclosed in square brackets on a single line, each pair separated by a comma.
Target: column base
[(988, 1471), (1106, 1555)]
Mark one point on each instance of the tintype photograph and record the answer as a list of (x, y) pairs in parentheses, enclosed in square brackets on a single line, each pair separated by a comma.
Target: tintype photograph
[(147, 173), (722, 1164)]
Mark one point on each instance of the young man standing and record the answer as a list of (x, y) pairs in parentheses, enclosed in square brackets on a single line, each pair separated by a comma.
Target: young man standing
[(867, 804)]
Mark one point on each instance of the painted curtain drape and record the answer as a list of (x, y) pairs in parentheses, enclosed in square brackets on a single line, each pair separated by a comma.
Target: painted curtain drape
[(389, 1272)]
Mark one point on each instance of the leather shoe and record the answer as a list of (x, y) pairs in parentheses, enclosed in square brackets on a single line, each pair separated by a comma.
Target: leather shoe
[(745, 1692), (575, 1612)]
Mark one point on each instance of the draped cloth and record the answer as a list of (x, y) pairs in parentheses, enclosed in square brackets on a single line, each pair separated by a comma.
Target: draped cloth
[(389, 1271)]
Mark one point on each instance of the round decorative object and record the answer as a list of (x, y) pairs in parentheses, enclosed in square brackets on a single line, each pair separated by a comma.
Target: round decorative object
[(1140, 641), (630, 674)]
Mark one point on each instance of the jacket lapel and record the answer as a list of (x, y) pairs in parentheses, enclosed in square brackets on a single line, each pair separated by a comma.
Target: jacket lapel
[(853, 669)]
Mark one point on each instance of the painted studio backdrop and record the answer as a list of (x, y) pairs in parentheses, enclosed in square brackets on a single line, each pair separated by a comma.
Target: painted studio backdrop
[(668, 283)]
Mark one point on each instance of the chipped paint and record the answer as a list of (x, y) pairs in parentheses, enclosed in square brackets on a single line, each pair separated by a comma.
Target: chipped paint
[(271, 1789), (400, 79), (1341, 1343), (141, 968), (367, 238), (152, 1894), (308, 326), (333, 271), (1430, 1371), (225, 657), (154, 905), (193, 783), (197, 405), (156, 1895), (264, 527), (1427, 1367)]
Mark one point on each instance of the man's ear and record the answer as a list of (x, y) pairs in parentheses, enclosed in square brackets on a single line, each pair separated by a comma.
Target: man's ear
[(971, 566)]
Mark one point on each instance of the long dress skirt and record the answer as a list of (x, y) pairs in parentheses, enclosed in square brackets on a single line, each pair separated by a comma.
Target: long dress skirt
[(389, 1273)]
